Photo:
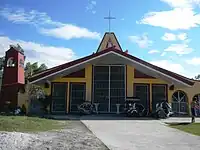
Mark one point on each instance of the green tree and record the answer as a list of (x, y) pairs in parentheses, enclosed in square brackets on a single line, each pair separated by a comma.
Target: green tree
[(2, 60), (197, 77), (31, 69)]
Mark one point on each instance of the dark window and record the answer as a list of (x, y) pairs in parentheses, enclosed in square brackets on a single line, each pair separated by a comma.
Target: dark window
[(180, 102), (59, 94), (77, 95), (142, 92), (105, 77), (159, 94)]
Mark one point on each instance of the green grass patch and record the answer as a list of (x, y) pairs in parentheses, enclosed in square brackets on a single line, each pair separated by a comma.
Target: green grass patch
[(29, 124), (193, 128)]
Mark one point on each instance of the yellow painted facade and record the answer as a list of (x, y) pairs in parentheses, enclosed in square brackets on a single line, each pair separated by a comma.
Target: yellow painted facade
[(129, 84), (131, 80), (23, 98), (87, 80)]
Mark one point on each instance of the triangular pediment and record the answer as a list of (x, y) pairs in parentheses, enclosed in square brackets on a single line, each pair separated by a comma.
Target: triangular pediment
[(109, 40), (139, 74), (76, 74)]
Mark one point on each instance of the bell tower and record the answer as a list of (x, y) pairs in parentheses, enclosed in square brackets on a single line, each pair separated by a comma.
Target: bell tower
[(13, 76)]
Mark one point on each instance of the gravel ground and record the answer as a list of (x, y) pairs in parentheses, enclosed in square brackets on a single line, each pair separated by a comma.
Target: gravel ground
[(74, 137)]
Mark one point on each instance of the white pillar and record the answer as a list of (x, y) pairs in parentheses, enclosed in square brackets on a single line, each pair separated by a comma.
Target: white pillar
[(118, 105), (96, 107)]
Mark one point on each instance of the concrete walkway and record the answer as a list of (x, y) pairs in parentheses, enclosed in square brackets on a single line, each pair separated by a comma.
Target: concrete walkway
[(141, 135)]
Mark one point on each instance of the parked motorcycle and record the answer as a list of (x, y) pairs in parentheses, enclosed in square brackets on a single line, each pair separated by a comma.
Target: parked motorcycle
[(133, 108), (86, 108), (163, 110)]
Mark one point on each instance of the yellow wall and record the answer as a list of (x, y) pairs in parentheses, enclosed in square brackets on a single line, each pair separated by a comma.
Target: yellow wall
[(130, 81), (23, 100), (191, 92), (87, 80)]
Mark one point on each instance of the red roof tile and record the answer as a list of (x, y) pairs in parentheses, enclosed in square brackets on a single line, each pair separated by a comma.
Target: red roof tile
[(69, 64)]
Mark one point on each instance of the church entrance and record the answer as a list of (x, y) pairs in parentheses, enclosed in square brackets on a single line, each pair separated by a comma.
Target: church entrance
[(142, 92), (109, 87), (59, 95)]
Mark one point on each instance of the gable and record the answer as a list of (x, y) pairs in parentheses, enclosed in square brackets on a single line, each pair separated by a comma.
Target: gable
[(138, 74), (111, 54), (77, 74), (109, 40)]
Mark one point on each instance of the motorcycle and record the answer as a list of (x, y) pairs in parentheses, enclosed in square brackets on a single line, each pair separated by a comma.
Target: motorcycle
[(163, 110), (86, 108), (134, 109)]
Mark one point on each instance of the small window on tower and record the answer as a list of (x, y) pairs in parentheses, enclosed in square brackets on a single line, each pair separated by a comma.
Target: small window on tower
[(10, 62)]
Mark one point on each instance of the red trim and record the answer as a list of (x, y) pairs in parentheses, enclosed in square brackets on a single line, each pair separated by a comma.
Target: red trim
[(111, 49)]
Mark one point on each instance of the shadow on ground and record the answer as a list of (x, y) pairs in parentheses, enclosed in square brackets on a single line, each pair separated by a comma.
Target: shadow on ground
[(177, 124), (97, 117)]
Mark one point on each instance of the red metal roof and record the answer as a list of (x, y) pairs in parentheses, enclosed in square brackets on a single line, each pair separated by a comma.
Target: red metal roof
[(113, 49)]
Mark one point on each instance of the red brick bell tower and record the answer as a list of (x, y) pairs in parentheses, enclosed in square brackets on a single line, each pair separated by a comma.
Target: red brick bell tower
[(13, 76)]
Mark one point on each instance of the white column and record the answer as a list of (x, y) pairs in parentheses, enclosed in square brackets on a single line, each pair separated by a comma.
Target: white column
[(118, 105), (96, 107)]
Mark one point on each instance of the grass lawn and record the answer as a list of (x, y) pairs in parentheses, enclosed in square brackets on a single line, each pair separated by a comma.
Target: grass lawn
[(29, 124), (193, 128)]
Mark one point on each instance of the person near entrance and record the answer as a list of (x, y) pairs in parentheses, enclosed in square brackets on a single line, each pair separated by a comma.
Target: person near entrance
[(193, 109)]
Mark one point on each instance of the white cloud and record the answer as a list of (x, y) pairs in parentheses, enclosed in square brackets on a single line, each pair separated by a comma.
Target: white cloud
[(163, 54), (93, 2), (178, 68), (35, 52), (169, 37), (173, 19), (180, 49), (91, 6), (174, 67), (174, 37), (182, 36), (142, 41), (194, 61), (28, 17), (153, 51), (69, 31), (46, 25), (182, 3)]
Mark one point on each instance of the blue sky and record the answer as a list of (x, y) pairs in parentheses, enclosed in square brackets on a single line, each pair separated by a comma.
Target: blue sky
[(162, 32)]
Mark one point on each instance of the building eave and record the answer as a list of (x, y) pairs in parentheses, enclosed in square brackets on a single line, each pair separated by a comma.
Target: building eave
[(59, 69)]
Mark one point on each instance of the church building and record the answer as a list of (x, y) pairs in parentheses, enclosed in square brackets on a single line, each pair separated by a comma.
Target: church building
[(108, 76)]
